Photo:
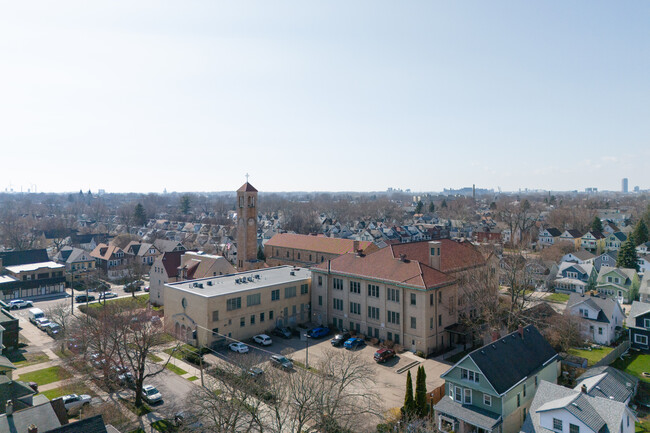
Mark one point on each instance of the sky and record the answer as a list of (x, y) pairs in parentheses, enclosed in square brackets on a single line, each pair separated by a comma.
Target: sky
[(191, 95)]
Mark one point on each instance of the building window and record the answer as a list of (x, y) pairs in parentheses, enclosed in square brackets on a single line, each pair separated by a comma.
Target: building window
[(215, 332), (600, 330), (337, 283), (304, 289), (393, 317), (242, 322), (252, 319), (413, 298), (413, 322), (431, 299), (468, 396), (289, 292), (337, 304), (641, 339), (458, 394), (255, 299), (261, 317), (298, 256), (524, 390), (215, 315), (320, 280), (646, 323), (487, 400), (469, 375), (355, 308), (392, 295), (320, 300), (373, 313), (439, 319), (355, 287), (271, 315), (518, 399), (431, 323), (536, 382), (574, 428), (557, 424), (233, 304), (373, 290), (275, 295)]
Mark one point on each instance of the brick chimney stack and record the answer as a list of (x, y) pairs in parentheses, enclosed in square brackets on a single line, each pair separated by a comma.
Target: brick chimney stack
[(521, 331), (495, 335)]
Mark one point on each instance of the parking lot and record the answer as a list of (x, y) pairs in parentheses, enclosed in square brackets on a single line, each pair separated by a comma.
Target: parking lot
[(389, 384)]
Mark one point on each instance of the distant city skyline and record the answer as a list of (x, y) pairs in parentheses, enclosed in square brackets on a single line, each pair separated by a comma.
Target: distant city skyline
[(324, 96)]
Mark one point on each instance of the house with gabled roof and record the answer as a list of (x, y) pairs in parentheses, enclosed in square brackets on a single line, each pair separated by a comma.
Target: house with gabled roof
[(593, 241), (608, 382), (548, 236), (145, 253), (644, 263), (580, 256), (112, 259), (602, 318), (614, 241), (571, 236), (565, 410), (491, 388), (575, 277), (619, 283), (643, 248), (638, 324), (79, 264), (605, 259)]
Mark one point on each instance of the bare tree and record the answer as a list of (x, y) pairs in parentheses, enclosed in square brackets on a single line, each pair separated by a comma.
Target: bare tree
[(61, 314)]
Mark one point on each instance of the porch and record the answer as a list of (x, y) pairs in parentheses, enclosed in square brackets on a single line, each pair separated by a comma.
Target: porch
[(451, 416)]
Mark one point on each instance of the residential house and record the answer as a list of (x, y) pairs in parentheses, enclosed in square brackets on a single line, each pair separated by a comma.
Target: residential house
[(644, 289), (620, 283), (575, 277), (643, 248), (565, 410), (9, 329), (143, 253), (638, 324), (112, 260), (164, 245), (614, 241), (580, 256), (602, 317), (309, 250), (28, 274), (548, 236), (608, 382), (572, 236), (644, 262), (609, 228), (406, 293), (605, 259), (79, 264), (593, 241), (491, 389)]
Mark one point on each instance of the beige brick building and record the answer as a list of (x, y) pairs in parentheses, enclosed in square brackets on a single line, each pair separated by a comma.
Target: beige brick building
[(237, 306), (308, 250), (406, 293)]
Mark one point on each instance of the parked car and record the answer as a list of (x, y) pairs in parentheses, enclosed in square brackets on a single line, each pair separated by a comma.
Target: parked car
[(354, 343), (52, 329), (73, 402), (97, 360), (255, 372), (151, 394), (133, 286), (339, 339), (318, 332), (101, 287), (263, 339), (19, 303), (41, 323), (146, 289), (281, 362), (35, 313), (107, 295), (282, 332), (84, 298), (187, 420), (126, 379), (238, 347), (383, 355)]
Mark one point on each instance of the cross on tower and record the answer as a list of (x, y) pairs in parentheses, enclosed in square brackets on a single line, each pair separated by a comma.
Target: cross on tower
[(246, 177)]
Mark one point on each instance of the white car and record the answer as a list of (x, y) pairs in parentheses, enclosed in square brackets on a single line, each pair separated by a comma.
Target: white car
[(238, 347), (107, 295), (73, 401), (19, 303), (42, 322), (263, 339), (151, 394)]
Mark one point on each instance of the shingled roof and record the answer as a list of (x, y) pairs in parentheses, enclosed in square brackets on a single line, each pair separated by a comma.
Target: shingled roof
[(316, 243), (13, 258), (247, 187)]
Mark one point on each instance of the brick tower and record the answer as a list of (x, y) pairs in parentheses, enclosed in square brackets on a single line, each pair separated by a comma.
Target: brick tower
[(247, 228)]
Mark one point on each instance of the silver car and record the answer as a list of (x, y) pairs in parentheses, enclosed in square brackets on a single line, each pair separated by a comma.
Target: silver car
[(73, 402)]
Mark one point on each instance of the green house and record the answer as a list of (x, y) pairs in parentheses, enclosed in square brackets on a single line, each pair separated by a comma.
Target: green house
[(618, 283), (491, 389)]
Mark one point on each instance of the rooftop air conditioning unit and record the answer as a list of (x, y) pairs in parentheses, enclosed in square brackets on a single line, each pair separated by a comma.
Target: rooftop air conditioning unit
[(209, 283), (292, 273)]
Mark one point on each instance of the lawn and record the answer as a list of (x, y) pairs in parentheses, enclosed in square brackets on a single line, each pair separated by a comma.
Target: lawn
[(75, 388), (23, 359), (130, 405), (593, 356), (634, 364), (174, 369), (154, 358), (46, 375), (140, 301), (179, 352), (457, 357), (557, 297), (192, 378), (164, 426)]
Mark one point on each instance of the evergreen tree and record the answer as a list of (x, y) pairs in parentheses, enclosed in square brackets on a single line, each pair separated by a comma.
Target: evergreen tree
[(422, 407), (627, 255), (418, 207), (432, 207), (493, 206), (409, 403), (185, 204), (640, 233), (260, 254), (444, 204), (597, 224), (139, 215)]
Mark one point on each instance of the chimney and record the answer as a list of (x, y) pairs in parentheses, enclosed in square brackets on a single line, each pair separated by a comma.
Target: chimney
[(495, 335), (521, 331), (435, 249), (32, 429), (583, 388), (9, 408), (402, 257), (355, 246)]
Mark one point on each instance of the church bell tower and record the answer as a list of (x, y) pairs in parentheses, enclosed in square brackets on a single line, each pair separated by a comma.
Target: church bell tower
[(247, 228)]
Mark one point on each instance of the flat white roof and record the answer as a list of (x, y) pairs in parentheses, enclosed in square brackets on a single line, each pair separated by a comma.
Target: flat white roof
[(7, 279), (34, 266), (243, 281)]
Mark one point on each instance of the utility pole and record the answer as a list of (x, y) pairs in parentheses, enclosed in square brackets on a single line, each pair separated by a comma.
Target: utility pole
[(307, 352)]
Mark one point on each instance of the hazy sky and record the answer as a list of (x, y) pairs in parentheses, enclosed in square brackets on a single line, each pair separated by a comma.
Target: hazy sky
[(324, 95)]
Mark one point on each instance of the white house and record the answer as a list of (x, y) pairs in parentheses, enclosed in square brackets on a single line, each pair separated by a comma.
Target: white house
[(644, 262), (602, 317)]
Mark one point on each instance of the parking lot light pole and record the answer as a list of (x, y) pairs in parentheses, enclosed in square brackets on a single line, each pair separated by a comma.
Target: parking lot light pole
[(307, 352)]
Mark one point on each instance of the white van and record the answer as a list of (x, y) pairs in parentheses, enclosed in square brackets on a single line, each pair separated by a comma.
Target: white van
[(35, 313)]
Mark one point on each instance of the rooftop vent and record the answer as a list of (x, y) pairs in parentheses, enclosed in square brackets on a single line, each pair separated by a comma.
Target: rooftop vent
[(292, 273), (237, 280), (209, 283), (257, 276)]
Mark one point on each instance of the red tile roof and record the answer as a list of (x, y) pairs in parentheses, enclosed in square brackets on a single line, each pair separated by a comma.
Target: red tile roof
[(454, 256), (247, 187), (383, 265), (316, 243)]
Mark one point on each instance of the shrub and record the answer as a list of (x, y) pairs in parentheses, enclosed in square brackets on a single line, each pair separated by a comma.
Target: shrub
[(419, 353), (389, 344), (374, 341)]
